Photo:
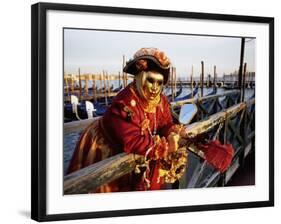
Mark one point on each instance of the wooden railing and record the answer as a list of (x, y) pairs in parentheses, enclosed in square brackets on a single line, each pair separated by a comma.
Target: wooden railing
[(94, 176)]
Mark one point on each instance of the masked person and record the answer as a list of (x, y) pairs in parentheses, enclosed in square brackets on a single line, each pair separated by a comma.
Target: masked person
[(138, 121)]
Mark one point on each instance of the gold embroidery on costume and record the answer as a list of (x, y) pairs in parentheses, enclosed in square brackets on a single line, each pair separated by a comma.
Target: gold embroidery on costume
[(172, 168), (133, 103), (144, 126), (129, 112)]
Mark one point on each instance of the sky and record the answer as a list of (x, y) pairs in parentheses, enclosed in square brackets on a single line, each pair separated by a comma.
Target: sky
[(96, 50)]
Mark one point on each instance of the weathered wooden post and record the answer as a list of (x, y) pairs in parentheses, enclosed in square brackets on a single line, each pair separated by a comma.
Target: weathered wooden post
[(90, 77), (86, 84), (72, 84), (172, 82), (105, 87), (108, 81), (241, 65), (202, 78), (123, 77), (66, 84), (215, 78), (209, 80), (191, 81), (106, 84), (243, 83), (94, 88), (124, 73), (119, 79), (175, 83), (243, 133), (80, 85)]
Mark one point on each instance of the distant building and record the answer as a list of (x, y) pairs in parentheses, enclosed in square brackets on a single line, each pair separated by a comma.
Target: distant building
[(233, 77)]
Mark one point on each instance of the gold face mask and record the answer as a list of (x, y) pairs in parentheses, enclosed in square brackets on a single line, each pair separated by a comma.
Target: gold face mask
[(149, 85), (152, 85)]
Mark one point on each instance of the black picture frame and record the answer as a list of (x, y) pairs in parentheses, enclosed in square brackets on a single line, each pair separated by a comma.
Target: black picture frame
[(39, 114)]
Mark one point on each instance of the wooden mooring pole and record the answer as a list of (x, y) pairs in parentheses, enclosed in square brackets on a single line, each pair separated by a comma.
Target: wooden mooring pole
[(241, 65), (80, 85), (202, 78), (66, 84), (209, 80), (108, 85), (191, 81), (125, 75), (215, 78), (94, 88), (119, 79), (86, 85), (172, 82), (243, 85), (175, 83), (72, 85), (105, 87)]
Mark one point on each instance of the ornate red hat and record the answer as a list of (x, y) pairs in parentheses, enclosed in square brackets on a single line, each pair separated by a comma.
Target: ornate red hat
[(149, 59)]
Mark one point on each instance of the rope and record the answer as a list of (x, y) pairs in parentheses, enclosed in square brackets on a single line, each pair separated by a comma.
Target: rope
[(218, 131)]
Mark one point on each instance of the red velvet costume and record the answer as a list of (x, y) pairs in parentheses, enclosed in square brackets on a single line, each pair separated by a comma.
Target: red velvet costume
[(121, 129)]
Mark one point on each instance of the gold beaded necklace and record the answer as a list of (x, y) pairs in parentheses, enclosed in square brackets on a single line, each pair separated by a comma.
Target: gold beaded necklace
[(154, 128)]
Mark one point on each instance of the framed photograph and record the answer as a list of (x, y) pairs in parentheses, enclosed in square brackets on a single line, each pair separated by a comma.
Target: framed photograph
[(141, 111)]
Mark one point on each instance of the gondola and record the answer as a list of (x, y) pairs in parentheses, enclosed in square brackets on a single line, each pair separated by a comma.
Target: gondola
[(177, 93), (213, 92), (207, 104), (80, 111), (75, 110), (229, 87), (230, 100), (188, 96), (116, 90), (99, 108), (105, 100)]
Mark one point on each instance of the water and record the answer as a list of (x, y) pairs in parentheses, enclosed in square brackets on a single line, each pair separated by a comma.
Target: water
[(69, 143)]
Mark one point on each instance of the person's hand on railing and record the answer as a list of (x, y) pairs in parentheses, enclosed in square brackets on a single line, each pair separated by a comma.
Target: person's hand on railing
[(161, 148), (173, 142)]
